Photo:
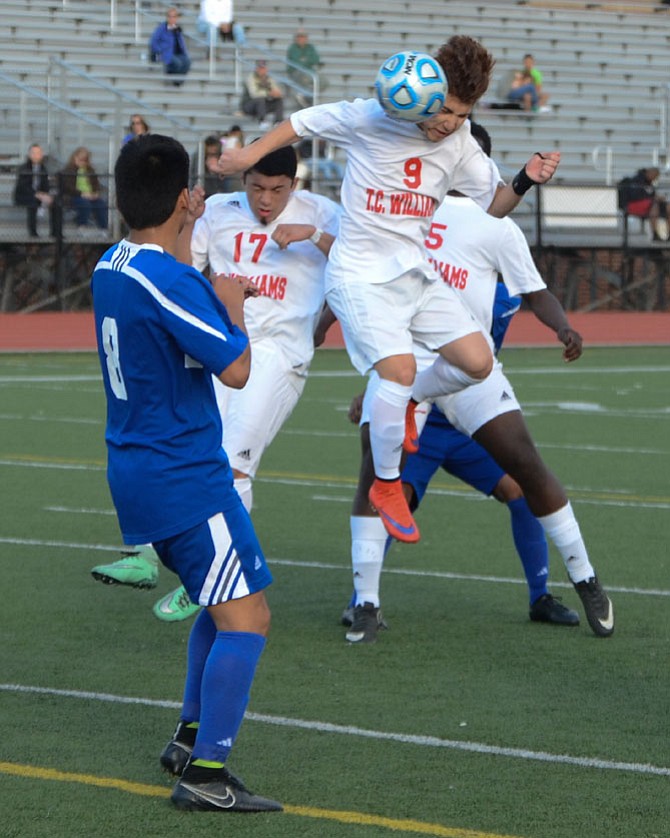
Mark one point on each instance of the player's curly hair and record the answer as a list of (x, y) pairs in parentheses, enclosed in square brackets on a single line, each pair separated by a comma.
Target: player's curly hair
[(468, 66)]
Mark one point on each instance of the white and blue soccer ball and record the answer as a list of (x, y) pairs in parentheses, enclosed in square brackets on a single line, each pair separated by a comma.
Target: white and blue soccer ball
[(411, 86)]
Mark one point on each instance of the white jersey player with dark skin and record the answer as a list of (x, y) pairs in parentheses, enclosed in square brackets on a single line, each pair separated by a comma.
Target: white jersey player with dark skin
[(470, 249), (378, 281)]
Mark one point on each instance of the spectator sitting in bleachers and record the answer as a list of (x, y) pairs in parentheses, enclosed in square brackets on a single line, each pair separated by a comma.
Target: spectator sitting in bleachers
[(218, 15), (33, 191), (168, 46), (538, 80), (638, 197), (80, 188), (522, 91), (304, 54), (138, 126), (263, 97)]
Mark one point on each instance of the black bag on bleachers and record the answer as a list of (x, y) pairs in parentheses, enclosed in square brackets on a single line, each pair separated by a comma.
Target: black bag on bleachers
[(632, 189)]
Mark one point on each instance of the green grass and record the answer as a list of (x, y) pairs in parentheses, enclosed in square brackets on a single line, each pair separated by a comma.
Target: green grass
[(460, 666)]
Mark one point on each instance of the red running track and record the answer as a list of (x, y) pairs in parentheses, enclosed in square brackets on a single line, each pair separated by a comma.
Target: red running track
[(74, 331)]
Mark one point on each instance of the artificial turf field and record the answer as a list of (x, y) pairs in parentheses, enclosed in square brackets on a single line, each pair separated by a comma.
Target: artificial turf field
[(465, 720)]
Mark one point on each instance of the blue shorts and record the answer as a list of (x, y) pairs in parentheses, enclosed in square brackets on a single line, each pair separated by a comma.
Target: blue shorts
[(219, 559), (517, 94), (441, 445)]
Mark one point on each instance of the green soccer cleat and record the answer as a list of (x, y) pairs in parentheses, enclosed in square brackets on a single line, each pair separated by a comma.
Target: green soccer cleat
[(175, 606), (137, 568)]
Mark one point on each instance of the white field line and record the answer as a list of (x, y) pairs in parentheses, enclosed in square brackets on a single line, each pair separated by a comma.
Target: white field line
[(577, 370), (628, 500), (349, 730), (47, 379), (54, 465), (596, 449), (572, 370), (340, 568), (465, 577), (81, 510), (470, 496), (353, 431), (530, 408)]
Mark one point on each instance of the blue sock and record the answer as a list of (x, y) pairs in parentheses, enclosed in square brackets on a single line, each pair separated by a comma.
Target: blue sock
[(226, 682), (531, 545), (200, 643)]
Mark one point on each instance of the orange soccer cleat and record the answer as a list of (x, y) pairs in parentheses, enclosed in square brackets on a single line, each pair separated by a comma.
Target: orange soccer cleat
[(386, 496)]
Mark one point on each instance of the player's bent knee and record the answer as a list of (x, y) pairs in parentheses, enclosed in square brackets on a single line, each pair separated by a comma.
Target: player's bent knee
[(400, 369), (480, 368), (507, 490)]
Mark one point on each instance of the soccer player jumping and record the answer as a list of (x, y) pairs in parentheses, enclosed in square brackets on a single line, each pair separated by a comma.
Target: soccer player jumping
[(378, 280)]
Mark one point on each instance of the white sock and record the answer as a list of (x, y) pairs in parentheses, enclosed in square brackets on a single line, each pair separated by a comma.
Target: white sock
[(562, 529), (440, 379), (245, 491), (387, 427), (368, 539)]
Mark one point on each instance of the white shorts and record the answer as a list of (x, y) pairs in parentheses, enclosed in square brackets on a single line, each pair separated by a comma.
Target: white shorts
[(253, 416), (473, 407), (383, 319)]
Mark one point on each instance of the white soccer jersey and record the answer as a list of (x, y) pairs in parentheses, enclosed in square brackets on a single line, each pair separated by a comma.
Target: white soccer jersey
[(394, 180), (232, 240), (469, 247)]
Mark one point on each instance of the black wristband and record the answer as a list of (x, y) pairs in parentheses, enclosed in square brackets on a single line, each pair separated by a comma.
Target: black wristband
[(522, 183)]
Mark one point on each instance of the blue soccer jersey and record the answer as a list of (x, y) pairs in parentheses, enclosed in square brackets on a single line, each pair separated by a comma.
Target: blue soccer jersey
[(162, 332), (504, 308)]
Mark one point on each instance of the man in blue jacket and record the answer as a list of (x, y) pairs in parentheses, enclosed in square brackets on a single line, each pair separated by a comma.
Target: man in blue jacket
[(168, 46)]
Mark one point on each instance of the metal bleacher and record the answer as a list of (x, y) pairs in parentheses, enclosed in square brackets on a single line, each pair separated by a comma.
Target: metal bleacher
[(606, 71), (72, 72)]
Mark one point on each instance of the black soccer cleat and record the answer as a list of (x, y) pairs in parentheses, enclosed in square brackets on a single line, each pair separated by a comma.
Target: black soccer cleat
[(178, 750), (597, 606), (217, 790), (367, 620), (549, 609)]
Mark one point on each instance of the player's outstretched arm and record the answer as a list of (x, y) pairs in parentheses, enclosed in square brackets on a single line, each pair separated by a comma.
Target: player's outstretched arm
[(549, 311), (233, 160), (539, 169)]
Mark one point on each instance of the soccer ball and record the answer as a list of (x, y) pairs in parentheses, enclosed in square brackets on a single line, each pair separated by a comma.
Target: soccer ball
[(411, 86)]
